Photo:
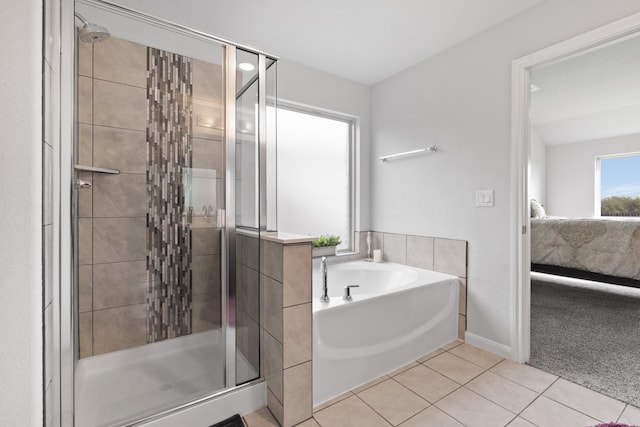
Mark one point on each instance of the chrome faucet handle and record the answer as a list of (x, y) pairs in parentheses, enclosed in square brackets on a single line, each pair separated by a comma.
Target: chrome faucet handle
[(347, 292)]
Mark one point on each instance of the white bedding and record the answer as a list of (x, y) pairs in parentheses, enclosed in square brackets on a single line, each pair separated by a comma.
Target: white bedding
[(606, 246)]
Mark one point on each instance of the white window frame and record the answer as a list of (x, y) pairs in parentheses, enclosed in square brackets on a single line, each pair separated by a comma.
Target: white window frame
[(353, 123), (598, 181)]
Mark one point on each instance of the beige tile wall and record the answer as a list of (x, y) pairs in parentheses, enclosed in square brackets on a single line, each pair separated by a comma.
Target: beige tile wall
[(430, 253), (112, 114), (248, 299), (286, 330)]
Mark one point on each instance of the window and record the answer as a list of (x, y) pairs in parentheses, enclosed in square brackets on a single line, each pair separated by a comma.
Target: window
[(619, 185), (315, 173)]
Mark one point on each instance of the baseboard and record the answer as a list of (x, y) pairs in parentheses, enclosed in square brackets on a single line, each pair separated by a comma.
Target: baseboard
[(487, 344)]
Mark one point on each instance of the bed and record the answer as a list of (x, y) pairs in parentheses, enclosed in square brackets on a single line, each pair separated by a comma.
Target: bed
[(604, 246)]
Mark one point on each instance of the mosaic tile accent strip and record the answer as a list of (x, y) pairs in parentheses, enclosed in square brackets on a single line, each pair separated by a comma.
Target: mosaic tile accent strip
[(169, 156)]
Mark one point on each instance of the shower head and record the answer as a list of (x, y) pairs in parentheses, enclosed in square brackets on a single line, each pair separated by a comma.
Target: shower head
[(91, 33)]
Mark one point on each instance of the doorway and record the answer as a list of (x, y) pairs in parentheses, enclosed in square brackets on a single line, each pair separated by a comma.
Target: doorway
[(525, 89)]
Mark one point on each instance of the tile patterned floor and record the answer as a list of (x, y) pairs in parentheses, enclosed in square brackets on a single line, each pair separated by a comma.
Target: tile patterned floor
[(462, 385)]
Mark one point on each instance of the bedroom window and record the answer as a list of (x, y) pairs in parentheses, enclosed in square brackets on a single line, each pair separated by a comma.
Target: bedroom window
[(619, 185)]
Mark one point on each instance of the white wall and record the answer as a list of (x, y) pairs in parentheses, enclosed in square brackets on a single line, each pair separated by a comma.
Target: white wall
[(571, 173), (460, 100), (537, 168), (297, 83), (21, 335)]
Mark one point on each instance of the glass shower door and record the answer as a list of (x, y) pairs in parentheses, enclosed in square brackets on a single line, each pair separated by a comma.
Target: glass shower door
[(150, 204)]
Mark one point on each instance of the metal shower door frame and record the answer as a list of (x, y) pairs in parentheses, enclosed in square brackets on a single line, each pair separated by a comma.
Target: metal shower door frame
[(67, 335)]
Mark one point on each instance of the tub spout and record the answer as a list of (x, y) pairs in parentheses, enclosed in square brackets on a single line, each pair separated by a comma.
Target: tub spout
[(325, 291)]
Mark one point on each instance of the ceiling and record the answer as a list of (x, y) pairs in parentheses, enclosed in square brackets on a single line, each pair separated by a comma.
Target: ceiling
[(365, 41), (588, 96)]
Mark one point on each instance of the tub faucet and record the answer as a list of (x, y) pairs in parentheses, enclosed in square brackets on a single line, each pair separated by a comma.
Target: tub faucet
[(323, 268)]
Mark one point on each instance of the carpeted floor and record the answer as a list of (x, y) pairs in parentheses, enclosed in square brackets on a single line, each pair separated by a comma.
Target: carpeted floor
[(588, 333)]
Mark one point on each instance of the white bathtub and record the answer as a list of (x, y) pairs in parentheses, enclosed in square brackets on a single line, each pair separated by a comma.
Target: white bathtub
[(398, 314)]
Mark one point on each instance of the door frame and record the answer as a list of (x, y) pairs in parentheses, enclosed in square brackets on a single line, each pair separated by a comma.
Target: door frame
[(520, 153)]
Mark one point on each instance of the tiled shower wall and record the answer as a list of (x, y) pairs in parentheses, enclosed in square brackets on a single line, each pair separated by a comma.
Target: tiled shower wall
[(112, 109), (248, 297), (430, 253)]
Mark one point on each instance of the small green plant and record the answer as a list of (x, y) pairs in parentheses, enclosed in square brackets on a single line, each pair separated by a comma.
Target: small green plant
[(328, 240)]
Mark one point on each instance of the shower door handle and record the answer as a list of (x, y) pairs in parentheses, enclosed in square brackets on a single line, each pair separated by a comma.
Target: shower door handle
[(221, 218)]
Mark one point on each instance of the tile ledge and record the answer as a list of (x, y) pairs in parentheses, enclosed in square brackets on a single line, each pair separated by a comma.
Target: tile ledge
[(286, 238)]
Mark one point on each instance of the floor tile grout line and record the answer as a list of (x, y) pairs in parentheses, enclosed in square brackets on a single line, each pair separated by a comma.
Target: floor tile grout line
[(528, 388), (502, 406), (348, 393), (623, 409), (373, 409), (573, 409), (369, 384), (448, 414), (464, 386), (497, 403), (601, 394), (489, 400), (535, 391), (471, 361), (560, 403), (404, 386), (448, 394), (466, 382), (513, 381), (416, 414), (576, 409)]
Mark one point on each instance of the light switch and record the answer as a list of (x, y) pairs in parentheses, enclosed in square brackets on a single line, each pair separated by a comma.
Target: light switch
[(484, 198)]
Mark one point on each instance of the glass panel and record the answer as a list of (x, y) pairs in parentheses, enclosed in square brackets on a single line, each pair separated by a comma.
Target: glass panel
[(272, 159), (247, 219), (149, 252)]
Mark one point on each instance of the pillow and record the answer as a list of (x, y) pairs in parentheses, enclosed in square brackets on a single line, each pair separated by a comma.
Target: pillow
[(537, 210)]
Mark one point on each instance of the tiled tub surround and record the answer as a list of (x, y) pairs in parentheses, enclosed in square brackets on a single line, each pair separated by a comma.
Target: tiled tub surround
[(286, 326), (430, 253), (112, 112)]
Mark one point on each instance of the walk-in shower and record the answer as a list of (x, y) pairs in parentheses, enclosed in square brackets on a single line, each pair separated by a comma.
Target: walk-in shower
[(169, 177)]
